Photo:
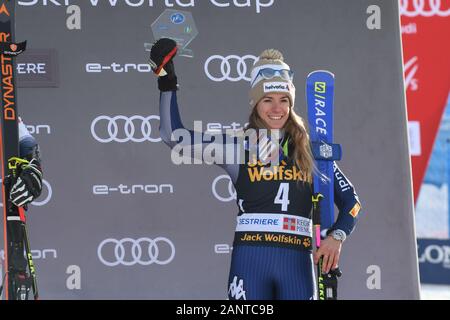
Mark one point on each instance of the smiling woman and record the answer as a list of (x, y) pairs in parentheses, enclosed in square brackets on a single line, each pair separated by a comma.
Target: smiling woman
[(273, 109), (272, 249)]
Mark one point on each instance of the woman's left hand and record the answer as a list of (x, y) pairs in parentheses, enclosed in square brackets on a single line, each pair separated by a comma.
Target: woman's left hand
[(330, 249)]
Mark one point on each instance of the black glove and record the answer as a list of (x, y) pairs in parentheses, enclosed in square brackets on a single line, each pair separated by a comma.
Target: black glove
[(161, 61), (28, 185), (22, 285), (330, 281)]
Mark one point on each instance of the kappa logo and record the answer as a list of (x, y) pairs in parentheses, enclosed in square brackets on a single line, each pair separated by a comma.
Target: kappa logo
[(236, 290), (4, 10)]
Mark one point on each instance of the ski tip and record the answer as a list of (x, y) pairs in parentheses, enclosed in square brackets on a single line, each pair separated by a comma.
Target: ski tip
[(320, 71)]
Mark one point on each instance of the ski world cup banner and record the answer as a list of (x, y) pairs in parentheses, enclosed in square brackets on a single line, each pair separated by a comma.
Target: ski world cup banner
[(426, 50)]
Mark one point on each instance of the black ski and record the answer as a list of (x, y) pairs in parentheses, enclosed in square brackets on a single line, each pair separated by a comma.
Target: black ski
[(20, 273)]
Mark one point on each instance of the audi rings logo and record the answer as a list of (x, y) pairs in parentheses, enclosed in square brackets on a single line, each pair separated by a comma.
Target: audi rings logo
[(41, 202), (232, 68), (134, 128), (143, 251), (424, 8), (223, 191)]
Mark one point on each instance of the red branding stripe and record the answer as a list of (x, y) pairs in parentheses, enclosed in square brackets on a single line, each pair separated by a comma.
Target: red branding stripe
[(166, 59), (22, 214)]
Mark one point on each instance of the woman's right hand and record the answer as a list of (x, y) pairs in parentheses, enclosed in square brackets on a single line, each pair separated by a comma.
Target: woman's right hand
[(161, 61)]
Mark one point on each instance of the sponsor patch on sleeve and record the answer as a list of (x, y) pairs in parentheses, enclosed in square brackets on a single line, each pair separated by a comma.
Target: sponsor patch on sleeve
[(355, 210)]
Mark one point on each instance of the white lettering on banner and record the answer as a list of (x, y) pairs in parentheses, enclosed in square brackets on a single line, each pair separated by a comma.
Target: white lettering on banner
[(37, 254), (411, 67), (140, 3), (38, 128), (410, 28), (42, 254), (118, 68), (424, 8), (133, 189), (44, 2), (219, 127), (243, 3), (31, 68), (221, 248), (415, 148), (257, 4), (436, 255)]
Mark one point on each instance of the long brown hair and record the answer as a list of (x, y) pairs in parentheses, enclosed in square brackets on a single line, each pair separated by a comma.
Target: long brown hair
[(295, 128)]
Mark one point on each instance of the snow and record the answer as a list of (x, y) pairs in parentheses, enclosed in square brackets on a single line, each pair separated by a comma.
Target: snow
[(434, 292)]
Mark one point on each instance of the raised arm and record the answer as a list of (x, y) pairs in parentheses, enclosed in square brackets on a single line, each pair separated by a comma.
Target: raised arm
[(194, 144)]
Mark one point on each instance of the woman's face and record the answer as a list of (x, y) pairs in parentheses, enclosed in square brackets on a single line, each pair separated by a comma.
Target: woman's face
[(274, 110)]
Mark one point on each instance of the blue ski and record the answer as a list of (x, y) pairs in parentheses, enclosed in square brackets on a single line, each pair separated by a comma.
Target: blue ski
[(319, 97)]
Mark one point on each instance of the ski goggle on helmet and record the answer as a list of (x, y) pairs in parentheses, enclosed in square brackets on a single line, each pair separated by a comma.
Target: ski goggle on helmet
[(269, 73)]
